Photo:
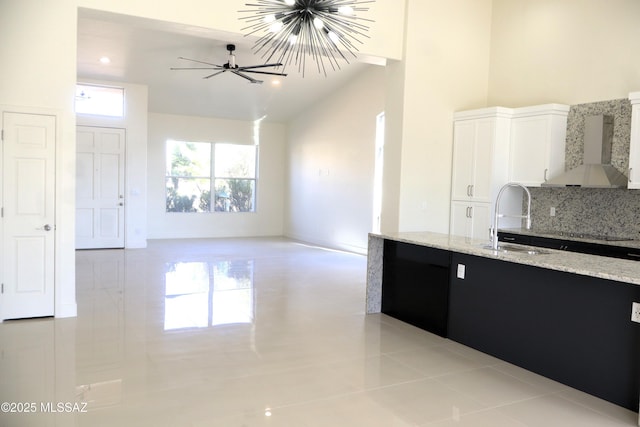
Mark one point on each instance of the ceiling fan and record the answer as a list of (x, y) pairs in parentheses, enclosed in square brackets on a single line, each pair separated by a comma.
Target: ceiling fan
[(232, 67)]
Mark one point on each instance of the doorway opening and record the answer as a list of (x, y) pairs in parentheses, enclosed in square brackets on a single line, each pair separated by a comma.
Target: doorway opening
[(377, 173)]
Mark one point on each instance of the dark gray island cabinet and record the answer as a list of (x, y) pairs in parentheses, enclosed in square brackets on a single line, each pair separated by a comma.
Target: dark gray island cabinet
[(573, 328)]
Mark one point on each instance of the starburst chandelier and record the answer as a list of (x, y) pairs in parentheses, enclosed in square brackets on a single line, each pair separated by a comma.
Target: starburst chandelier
[(291, 30)]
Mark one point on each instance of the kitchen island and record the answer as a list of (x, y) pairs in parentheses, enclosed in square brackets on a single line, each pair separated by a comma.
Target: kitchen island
[(563, 315)]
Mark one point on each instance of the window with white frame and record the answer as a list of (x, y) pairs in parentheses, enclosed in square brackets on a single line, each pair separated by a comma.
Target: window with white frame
[(99, 100), (197, 170)]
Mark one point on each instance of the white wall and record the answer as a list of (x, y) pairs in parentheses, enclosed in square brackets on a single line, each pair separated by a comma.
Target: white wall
[(135, 123), (38, 55), (569, 51), (266, 221), (446, 69), (330, 165)]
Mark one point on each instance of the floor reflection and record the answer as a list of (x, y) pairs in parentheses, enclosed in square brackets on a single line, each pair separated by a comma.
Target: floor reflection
[(309, 356), (202, 294)]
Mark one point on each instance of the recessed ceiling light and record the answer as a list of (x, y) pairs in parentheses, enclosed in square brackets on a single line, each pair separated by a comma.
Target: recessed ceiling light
[(105, 60), (276, 82)]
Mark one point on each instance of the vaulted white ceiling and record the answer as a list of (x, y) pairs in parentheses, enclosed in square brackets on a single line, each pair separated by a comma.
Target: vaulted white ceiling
[(142, 51)]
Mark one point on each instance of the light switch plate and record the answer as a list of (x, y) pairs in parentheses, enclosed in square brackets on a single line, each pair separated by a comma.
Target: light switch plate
[(461, 271)]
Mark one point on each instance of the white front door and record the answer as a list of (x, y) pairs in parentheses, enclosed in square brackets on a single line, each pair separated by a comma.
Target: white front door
[(28, 220), (100, 187)]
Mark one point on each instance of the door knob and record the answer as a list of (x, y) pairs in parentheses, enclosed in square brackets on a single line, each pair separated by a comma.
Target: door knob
[(46, 227)]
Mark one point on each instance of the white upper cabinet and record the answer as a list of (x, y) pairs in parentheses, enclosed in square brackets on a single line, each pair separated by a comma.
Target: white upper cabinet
[(537, 148), (634, 148), (480, 150)]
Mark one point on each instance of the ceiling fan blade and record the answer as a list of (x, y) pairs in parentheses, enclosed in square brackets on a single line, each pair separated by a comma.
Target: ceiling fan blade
[(264, 72), (214, 74), (195, 68), (200, 62), (231, 66), (261, 66), (251, 79)]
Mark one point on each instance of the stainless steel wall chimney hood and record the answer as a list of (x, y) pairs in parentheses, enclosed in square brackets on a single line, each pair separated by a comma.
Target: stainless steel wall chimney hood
[(596, 170)]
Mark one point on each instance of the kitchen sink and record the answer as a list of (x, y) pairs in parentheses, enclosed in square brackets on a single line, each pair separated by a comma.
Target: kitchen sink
[(528, 250)]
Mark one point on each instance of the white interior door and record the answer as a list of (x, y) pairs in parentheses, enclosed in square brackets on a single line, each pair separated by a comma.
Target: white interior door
[(100, 187), (28, 220)]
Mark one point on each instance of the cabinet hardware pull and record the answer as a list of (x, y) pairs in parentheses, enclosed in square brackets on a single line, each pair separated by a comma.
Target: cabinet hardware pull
[(630, 170), (545, 175), (509, 239), (471, 190), (470, 211), (633, 255)]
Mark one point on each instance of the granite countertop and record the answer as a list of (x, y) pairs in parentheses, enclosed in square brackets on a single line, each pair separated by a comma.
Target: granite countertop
[(588, 265)]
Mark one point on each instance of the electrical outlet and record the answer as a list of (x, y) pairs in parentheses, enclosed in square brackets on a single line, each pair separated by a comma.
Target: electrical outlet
[(635, 312), (552, 211), (462, 270)]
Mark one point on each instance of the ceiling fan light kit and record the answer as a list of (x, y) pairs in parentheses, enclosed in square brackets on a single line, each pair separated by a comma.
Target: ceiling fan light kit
[(291, 30), (232, 67)]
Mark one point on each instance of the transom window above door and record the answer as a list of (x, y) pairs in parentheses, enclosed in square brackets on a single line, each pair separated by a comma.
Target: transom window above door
[(99, 100)]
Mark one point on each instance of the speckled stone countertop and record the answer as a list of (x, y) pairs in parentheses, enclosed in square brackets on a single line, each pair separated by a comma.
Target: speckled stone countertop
[(589, 265)]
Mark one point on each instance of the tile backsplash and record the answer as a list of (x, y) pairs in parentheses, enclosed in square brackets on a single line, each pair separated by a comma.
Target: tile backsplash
[(600, 211), (612, 212)]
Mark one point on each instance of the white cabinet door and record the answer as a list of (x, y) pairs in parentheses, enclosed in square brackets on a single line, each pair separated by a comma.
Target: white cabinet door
[(537, 146), (460, 219), (480, 220), (634, 149), (529, 153), (483, 160), (472, 159), (28, 221), (470, 220), (464, 134)]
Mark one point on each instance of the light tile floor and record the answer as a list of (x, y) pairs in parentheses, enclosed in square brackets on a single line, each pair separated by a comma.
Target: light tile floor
[(257, 332)]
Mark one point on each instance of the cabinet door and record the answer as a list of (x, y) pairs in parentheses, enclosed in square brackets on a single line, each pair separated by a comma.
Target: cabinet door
[(634, 148), (464, 134), (415, 285), (472, 159), (470, 220), (482, 160), (480, 220), (537, 144), (529, 157), (460, 219)]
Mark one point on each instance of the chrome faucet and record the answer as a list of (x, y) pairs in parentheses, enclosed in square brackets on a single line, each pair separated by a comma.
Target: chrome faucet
[(497, 215)]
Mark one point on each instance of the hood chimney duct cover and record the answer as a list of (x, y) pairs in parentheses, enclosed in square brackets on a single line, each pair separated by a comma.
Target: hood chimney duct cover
[(596, 170)]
